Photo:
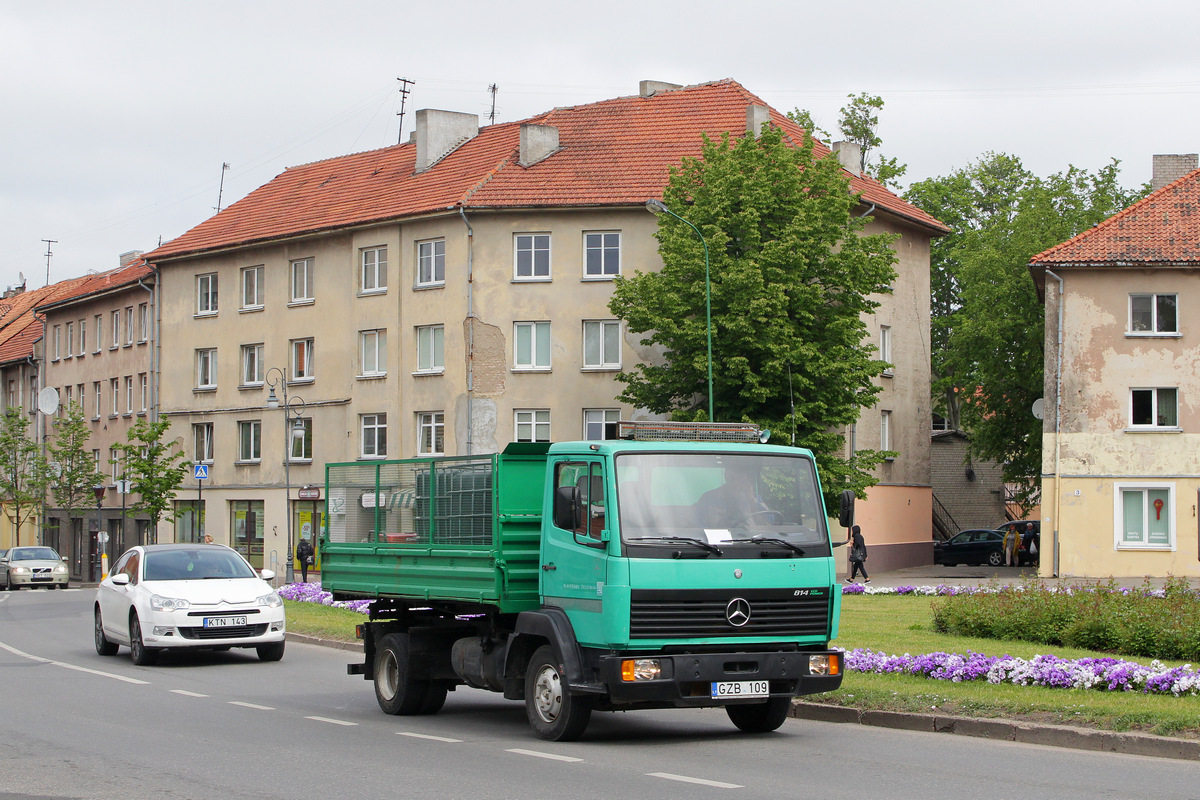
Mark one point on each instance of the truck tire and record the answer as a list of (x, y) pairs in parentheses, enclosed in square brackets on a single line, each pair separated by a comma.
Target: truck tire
[(395, 688), (554, 713), (760, 717)]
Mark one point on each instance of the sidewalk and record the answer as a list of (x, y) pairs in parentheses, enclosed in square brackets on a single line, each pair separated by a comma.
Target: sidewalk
[(936, 575)]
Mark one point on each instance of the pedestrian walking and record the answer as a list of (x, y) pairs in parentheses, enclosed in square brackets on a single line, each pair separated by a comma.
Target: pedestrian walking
[(1012, 539), (858, 555), (304, 552)]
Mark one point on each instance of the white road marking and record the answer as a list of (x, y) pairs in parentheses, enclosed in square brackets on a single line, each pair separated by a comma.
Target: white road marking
[(65, 665), (332, 721), (540, 754), (186, 693), (255, 706), (699, 781), (426, 736)]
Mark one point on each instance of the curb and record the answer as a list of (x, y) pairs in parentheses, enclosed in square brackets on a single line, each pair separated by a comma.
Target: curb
[(1138, 744)]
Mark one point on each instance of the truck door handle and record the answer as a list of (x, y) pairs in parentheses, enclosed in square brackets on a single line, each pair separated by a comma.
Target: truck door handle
[(548, 567)]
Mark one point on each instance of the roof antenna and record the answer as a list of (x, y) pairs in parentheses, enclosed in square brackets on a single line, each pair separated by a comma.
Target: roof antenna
[(221, 190), (48, 254), (492, 116), (404, 82)]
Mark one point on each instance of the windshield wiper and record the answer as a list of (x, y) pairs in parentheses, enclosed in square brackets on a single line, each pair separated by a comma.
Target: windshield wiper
[(765, 539), (712, 548)]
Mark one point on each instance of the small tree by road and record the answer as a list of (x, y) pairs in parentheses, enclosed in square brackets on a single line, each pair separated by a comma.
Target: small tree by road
[(23, 474), (72, 467), (155, 468)]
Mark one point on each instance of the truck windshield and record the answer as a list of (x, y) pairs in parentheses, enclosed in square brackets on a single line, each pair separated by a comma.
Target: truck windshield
[(723, 499)]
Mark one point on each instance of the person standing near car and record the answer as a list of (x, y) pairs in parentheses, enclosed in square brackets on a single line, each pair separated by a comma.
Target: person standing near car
[(1028, 544), (858, 555), (1011, 540)]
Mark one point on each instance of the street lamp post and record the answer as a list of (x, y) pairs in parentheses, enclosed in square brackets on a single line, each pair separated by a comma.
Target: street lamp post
[(293, 427), (658, 207)]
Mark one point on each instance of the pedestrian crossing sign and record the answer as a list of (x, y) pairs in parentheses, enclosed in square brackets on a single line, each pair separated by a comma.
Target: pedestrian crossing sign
[(201, 472)]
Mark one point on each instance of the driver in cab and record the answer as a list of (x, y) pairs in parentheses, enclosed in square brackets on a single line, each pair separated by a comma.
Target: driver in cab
[(733, 504)]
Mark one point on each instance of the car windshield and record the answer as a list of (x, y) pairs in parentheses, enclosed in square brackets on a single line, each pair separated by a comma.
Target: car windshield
[(720, 499), (33, 554), (195, 564)]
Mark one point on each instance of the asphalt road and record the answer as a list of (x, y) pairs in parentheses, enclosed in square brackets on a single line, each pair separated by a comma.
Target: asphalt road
[(224, 725)]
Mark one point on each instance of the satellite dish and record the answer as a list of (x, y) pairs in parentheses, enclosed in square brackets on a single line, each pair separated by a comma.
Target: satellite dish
[(48, 400), (1039, 408), (21, 275)]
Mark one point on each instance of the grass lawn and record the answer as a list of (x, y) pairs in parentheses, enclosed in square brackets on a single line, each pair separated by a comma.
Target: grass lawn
[(898, 625)]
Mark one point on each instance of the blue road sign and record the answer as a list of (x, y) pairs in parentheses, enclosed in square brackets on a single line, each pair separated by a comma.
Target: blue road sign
[(201, 472)]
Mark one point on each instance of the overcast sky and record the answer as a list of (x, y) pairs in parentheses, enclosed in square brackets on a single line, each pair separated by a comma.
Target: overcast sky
[(118, 116)]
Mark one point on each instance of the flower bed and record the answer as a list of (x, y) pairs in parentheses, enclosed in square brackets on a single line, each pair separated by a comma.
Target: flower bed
[(313, 593)]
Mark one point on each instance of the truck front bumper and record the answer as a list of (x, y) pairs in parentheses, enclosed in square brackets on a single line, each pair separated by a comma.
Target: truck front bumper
[(687, 680)]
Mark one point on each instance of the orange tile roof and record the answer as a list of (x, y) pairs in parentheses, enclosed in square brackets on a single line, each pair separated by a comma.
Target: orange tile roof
[(613, 152), (1162, 229)]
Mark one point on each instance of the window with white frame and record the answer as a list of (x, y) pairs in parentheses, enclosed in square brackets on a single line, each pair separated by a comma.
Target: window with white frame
[(82, 336), (99, 335), (253, 369), (116, 328), (601, 344), (57, 343), (114, 389), (70, 339), (1153, 314), (601, 254), (67, 398), (301, 439), (97, 399), (372, 353), (531, 260), (252, 288), (374, 270), (302, 360), (598, 422), (1154, 408), (302, 281), (431, 433), (531, 425), (885, 348), (144, 391), (114, 464), (431, 263), (531, 345), (885, 430), (202, 442), (206, 368), (431, 353), (1144, 515), (128, 394), (250, 440), (129, 326), (373, 435), (143, 322)]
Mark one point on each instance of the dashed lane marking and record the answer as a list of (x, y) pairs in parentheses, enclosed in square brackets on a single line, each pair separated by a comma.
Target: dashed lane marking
[(540, 754), (186, 693), (699, 781), (332, 721), (255, 706), (427, 736)]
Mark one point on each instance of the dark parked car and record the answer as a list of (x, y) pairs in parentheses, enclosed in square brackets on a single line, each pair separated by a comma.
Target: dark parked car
[(1023, 554), (974, 547)]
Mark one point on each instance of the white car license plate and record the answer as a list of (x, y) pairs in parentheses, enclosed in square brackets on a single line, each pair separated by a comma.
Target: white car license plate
[(223, 622), (741, 689)]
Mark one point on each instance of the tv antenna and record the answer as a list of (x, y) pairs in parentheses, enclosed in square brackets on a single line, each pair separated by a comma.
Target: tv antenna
[(404, 90), (492, 89), (221, 190), (48, 254)]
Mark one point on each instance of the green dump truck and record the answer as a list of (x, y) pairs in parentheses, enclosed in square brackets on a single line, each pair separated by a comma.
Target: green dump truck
[(675, 566)]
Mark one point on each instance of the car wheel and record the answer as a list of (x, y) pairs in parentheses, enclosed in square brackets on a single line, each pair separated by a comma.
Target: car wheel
[(554, 713), (270, 652), (760, 717), (142, 656), (103, 646), (396, 690), (995, 558), (64, 585)]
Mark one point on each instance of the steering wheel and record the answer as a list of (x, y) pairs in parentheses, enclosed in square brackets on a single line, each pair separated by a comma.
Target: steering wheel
[(776, 517)]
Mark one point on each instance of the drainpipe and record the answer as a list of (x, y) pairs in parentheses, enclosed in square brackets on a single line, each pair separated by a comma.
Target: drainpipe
[(40, 432), (1057, 419), (470, 328), (868, 211), (154, 345)]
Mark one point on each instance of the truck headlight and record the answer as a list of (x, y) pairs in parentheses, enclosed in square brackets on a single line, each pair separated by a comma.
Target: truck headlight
[(641, 669), (824, 664)]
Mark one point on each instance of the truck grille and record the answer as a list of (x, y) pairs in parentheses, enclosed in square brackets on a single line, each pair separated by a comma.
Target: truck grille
[(672, 614)]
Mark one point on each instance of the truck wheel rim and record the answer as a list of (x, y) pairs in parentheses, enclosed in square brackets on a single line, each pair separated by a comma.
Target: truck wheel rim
[(389, 676), (547, 697)]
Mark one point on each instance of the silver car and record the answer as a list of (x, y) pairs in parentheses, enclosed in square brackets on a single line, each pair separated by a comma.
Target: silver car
[(32, 566)]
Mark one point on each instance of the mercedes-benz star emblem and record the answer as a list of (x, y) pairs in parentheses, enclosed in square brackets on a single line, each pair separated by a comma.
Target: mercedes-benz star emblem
[(737, 612)]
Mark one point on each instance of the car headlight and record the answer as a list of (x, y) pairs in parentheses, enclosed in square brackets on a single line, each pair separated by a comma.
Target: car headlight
[(159, 603), (60, 570), (20, 570), (271, 600)]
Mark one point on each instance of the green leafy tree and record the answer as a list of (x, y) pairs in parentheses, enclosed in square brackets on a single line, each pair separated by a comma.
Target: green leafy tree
[(987, 321), (858, 122), (72, 466), (23, 474), (791, 279), (155, 468)]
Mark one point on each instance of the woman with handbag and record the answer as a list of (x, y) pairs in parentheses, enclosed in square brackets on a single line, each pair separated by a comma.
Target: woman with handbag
[(858, 555)]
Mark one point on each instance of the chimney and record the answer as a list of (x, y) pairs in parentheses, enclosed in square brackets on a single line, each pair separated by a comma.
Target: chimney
[(440, 132), (756, 117), (850, 155), (1170, 168), (651, 88), (129, 257), (537, 142)]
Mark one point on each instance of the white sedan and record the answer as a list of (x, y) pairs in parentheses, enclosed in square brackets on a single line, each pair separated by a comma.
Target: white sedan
[(165, 596)]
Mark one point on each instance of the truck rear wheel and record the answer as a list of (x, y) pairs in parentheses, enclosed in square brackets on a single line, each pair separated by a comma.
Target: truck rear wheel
[(760, 717), (554, 713), (395, 688)]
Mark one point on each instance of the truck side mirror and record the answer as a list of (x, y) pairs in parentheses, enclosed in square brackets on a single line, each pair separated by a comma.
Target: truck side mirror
[(846, 508), (567, 501)]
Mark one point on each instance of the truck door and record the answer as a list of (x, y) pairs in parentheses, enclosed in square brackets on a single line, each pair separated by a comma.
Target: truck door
[(574, 551)]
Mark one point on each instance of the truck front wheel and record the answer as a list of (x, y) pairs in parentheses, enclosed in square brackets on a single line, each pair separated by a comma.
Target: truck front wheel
[(554, 713), (395, 688), (760, 717)]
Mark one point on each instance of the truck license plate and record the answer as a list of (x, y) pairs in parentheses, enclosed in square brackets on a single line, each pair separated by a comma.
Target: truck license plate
[(722, 689), (223, 622)]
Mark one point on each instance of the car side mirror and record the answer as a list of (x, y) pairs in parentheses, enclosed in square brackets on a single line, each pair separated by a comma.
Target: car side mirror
[(120, 579), (267, 574)]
